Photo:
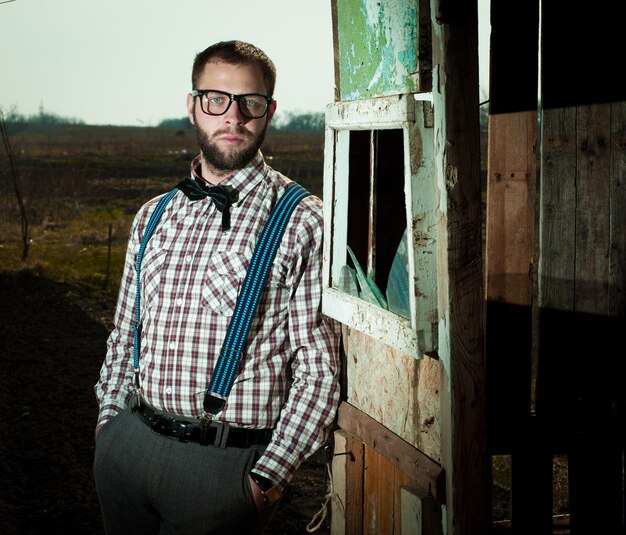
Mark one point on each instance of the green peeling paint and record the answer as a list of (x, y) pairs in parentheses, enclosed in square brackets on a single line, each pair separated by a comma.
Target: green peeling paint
[(377, 47)]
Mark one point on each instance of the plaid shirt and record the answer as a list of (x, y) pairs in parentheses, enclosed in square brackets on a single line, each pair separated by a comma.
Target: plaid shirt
[(191, 273)]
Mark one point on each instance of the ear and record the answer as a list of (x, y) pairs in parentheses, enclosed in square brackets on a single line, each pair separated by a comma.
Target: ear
[(271, 111), (190, 106)]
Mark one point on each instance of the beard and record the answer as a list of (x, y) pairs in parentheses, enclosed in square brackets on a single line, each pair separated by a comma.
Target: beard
[(221, 160)]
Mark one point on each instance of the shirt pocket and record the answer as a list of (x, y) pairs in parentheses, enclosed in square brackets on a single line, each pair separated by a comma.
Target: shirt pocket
[(224, 277)]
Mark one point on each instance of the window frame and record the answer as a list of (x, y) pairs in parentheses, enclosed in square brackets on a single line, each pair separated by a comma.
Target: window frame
[(412, 113)]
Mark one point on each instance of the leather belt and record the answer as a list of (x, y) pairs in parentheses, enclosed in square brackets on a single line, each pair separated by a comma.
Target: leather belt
[(219, 434)]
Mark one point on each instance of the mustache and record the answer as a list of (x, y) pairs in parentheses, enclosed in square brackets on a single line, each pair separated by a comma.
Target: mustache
[(238, 130)]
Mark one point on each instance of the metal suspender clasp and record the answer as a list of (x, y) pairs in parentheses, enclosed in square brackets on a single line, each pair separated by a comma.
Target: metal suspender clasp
[(212, 406), (136, 397)]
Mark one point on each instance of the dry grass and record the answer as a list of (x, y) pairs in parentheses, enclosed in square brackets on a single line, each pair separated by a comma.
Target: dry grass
[(82, 186)]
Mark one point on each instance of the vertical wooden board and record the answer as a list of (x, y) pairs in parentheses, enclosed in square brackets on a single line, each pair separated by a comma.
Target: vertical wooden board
[(418, 515), (557, 214), (461, 341), (510, 249), (400, 481), (511, 207), (557, 266), (421, 196), (617, 223), (378, 495), (347, 471), (592, 209), (328, 207), (339, 167), (410, 513), (617, 250), (428, 417), (377, 47), (398, 391), (339, 471), (596, 330), (334, 19)]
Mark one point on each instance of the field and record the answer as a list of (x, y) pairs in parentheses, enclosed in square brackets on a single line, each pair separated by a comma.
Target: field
[(81, 187)]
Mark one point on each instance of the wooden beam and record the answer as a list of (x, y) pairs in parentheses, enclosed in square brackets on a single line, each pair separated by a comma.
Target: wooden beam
[(427, 475)]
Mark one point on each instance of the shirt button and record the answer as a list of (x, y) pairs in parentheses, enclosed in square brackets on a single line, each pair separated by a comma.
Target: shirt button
[(179, 301), (172, 345), (168, 390), (188, 258)]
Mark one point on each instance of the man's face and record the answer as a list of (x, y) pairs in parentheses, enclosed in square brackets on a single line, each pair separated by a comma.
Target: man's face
[(228, 142)]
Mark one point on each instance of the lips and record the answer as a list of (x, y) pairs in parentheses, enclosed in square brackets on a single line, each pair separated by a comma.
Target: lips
[(231, 138)]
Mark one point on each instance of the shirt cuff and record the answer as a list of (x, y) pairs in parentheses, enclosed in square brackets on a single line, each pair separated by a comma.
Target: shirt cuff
[(277, 464)]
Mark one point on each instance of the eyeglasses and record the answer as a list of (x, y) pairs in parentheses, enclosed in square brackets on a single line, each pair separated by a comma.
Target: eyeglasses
[(251, 105)]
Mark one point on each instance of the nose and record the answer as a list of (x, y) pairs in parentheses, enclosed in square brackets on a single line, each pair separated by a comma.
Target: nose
[(233, 114)]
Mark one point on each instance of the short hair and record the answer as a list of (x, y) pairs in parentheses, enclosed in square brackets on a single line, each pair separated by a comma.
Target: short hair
[(235, 53)]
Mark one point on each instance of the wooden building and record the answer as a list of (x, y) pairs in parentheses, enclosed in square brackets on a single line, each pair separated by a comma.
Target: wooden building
[(479, 323)]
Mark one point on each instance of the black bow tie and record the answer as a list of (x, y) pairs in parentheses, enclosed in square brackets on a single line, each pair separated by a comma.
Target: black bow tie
[(221, 195)]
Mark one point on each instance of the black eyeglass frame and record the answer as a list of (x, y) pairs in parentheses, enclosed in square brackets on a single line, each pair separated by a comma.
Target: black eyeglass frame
[(232, 98)]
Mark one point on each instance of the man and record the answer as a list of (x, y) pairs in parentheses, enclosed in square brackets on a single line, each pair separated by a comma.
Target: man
[(161, 465)]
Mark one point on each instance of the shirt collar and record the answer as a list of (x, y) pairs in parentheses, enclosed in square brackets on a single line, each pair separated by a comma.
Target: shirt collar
[(243, 180)]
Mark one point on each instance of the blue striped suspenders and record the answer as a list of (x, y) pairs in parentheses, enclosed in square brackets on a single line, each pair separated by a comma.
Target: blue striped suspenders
[(264, 253), (152, 223)]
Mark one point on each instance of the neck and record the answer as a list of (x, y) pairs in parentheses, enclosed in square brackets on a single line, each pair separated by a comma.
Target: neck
[(212, 175)]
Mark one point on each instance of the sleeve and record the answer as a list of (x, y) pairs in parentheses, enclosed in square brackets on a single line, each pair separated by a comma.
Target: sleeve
[(309, 412), (114, 387)]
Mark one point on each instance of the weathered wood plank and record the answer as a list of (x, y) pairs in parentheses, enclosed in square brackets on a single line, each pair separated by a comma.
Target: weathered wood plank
[(511, 208), (383, 112), (558, 196), (427, 475), (557, 262), (380, 324), (383, 484), (347, 470), (378, 50), (617, 209), (339, 482), (421, 198), (400, 481), (419, 516), (378, 495), (592, 209), (510, 252), (460, 284)]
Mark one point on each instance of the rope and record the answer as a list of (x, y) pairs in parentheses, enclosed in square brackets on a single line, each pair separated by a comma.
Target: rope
[(318, 518)]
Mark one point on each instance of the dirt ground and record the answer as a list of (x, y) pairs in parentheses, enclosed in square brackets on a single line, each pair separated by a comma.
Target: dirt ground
[(52, 342)]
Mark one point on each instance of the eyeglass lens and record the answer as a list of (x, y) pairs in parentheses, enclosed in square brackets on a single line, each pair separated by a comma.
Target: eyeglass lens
[(217, 103)]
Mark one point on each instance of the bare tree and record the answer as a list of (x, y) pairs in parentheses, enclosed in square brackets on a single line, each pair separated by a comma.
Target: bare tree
[(15, 178)]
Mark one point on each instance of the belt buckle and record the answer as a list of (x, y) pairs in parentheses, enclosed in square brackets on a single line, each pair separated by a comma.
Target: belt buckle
[(221, 433)]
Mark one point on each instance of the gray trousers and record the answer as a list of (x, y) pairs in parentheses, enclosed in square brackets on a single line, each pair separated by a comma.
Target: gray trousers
[(148, 484)]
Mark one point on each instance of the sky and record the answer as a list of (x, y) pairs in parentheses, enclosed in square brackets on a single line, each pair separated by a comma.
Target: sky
[(128, 62)]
